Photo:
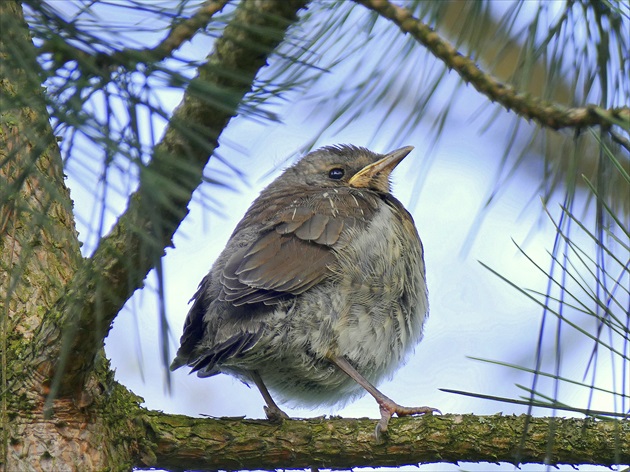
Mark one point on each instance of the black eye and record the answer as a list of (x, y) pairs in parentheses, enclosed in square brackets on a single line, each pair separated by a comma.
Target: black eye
[(336, 173)]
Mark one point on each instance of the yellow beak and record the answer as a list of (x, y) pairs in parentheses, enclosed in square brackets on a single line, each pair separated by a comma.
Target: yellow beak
[(379, 169)]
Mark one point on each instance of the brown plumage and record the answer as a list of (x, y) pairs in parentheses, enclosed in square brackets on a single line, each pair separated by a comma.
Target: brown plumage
[(320, 291)]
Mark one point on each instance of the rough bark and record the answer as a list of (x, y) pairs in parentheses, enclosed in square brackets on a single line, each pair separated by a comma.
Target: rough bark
[(203, 444), (39, 249)]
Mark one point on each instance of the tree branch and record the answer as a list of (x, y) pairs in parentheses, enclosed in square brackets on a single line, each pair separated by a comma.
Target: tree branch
[(182, 32), (549, 114), (64, 51), (179, 442), (122, 260)]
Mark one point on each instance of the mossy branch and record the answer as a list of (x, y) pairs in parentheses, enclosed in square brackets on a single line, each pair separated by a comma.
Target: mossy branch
[(180, 442), (546, 113)]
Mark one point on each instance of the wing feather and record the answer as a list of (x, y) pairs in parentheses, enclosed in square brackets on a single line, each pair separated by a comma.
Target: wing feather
[(296, 247)]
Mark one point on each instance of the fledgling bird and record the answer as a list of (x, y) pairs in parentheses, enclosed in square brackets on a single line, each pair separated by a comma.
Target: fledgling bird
[(320, 292)]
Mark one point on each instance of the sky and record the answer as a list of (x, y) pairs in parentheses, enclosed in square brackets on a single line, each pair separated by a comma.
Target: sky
[(473, 312)]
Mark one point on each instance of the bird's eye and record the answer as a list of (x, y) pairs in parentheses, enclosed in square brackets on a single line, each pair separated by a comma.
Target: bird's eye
[(336, 173)]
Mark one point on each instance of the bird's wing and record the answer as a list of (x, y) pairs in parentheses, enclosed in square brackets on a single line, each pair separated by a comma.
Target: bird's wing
[(295, 249)]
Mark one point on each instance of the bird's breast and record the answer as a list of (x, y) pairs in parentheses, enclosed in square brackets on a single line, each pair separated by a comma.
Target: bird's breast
[(379, 298)]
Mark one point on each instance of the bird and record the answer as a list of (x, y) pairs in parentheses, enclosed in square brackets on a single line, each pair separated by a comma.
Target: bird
[(320, 292)]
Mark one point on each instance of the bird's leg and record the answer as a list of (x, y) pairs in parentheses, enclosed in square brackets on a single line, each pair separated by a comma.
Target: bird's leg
[(387, 406), (273, 411)]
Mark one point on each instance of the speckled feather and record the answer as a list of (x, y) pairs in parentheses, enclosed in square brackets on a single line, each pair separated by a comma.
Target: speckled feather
[(316, 266)]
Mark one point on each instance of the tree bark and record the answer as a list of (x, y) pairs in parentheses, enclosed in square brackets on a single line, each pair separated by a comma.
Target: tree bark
[(204, 444), (39, 253)]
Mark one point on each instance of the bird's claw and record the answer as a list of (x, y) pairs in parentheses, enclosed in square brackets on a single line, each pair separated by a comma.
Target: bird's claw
[(390, 409), (418, 410), (275, 415), (383, 423)]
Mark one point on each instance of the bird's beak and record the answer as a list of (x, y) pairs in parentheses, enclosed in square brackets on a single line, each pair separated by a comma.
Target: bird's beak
[(378, 172)]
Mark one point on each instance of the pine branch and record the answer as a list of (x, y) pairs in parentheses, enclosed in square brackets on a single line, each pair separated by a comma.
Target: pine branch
[(122, 260), (64, 51), (183, 31), (549, 114), (179, 442)]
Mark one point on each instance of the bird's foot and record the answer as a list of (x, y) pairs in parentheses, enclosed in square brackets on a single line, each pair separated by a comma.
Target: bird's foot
[(275, 414), (389, 408)]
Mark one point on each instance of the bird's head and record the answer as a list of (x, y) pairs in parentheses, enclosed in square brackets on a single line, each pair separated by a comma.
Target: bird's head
[(344, 165)]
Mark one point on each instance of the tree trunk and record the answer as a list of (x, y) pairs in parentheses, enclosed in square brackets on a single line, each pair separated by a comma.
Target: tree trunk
[(39, 254)]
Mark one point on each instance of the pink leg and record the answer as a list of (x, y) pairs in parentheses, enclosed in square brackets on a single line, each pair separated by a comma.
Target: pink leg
[(387, 406), (273, 411)]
